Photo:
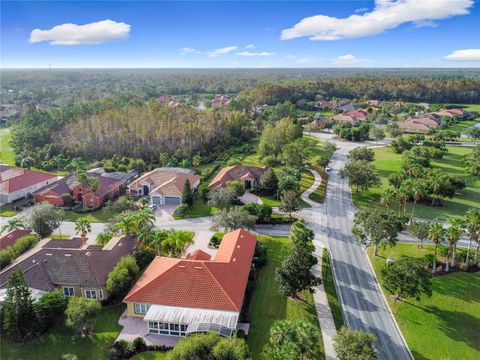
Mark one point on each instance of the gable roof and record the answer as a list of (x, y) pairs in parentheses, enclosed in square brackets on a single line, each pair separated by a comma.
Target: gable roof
[(13, 178), (50, 267), (12, 237), (236, 172), (67, 183), (217, 284), (166, 181)]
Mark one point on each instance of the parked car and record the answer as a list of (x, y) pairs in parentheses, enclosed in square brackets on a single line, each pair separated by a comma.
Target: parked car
[(152, 207), (328, 168)]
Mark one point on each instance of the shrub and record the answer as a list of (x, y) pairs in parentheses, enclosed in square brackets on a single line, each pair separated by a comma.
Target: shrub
[(103, 238), (121, 349), (6, 256), (260, 255), (215, 240), (68, 199), (122, 277), (123, 203), (139, 344), (49, 306), (144, 256), (261, 211), (270, 161), (181, 210), (203, 192), (232, 162), (11, 252), (81, 314), (69, 357)]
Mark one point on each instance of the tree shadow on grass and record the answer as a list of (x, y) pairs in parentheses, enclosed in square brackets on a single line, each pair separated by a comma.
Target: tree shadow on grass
[(453, 321)]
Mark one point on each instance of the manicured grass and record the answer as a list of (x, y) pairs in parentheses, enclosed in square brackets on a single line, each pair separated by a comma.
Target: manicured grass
[(151, 355), (319, 194), (444, 326), (268, 305), (59, 237), (331, 291), (7, 210), (101, 215), (387, 162), (62, 340), (198, 209), (7, 156)]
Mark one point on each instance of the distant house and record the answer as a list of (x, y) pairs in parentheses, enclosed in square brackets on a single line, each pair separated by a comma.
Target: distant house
[(178, 297), (11, 238), (346, 107), (374, 103), (53, 194), (66, 265), (173, 104), (221, 100), (426, 106), (419, 123), (325, 104), (163, 100), (164, 185), (248, 175), (16, 183)]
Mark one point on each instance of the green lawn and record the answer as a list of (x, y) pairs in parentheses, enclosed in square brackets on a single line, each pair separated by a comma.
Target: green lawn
[(446, 325), (151, 355), (199, 208), (7, 156), (7, 210), (331, 291), (101, 215), (61, 340), (268, 305), (387, 162)]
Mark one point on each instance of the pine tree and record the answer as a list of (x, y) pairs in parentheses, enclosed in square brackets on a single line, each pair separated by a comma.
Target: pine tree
[(187, 197), (20, 319)]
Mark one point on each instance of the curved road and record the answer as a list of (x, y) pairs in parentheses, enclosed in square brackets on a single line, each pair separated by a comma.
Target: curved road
[(363, 302)]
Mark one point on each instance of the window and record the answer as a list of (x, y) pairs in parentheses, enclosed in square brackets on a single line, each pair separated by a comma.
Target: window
[(68, 291), (141, 308), (163, 328), (91, 294), (100, 294), (174, 329)]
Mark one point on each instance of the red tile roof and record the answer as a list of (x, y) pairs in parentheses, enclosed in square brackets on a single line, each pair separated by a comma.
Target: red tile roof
[(12, 237), (217, 284), (236, 172), (13, 179)]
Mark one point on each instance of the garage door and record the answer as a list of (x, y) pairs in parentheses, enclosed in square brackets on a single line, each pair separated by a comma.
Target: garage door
[(172, 200), (156, 200)]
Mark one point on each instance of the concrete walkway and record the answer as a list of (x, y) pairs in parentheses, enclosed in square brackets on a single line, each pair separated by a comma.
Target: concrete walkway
[(305, 195)]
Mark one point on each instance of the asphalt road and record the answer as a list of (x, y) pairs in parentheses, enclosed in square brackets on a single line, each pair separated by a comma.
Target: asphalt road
[(362, 300)]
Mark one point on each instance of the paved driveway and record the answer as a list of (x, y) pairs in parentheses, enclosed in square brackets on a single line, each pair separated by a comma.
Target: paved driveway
[(165, 212), (249, 198)]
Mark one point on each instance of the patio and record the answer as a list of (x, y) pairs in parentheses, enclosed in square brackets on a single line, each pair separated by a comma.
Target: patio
[(136, 327)]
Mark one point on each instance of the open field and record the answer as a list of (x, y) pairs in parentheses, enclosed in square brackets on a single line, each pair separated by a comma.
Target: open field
[(268, 305), (444, 326), (101, 215), (387, 162), (61, 340)]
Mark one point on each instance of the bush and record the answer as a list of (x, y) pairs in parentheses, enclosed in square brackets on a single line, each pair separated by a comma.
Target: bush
[(203, 192), (103, 238), (68, 199), (123, 203), (181, 210), (232, 162), (49, 306), (261, 211), (11, 252), (260, 255), (143, 257), (122, 277), (121, 349), (139, 344), (270, 161), (69, 357), (215, 240)]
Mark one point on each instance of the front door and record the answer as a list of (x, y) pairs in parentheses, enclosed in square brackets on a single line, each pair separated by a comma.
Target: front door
[(248, 184), (146, 190)]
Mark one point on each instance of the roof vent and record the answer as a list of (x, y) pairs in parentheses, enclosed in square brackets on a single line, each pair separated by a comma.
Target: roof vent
[(68, 254), (181, 266), (238, 246), (198, 267), (234, 259), (120, 244), (88, 253), (48, 254)]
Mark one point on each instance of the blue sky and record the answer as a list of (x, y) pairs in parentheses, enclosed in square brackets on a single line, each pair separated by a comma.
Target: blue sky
[(382, 33)]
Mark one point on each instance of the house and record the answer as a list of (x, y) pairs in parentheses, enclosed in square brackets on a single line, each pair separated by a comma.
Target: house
[(17, 183), (325, 104), (163, 100), (419, 124), (248, 175), (374, 103), (72, 267), (127, 178), (426, 106), (53, 193), (343, 118), (346, 107), (221, 100), (11, 238), (164, 185), (178, 297)]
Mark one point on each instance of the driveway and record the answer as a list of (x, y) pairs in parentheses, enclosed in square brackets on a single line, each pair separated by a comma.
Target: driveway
[(249, 198), (165, 212)]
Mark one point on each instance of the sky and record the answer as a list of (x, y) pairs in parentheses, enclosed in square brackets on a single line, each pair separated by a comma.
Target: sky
[(240, 34)]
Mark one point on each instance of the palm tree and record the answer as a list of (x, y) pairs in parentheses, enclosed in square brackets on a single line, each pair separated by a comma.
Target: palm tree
[(125, 225), (143, 218), (389, 196), (12, 224), (176, 241), (155, 240), (418, 190), (402, 196), (436, 235), (27, 162), (83, 226), (453, 233), (472, 223)]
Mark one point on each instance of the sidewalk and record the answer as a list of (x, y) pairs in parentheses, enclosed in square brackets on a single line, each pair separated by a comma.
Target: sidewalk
[(305, 195)]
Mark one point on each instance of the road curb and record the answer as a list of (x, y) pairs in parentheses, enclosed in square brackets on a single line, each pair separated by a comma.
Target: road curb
[(377, 284)]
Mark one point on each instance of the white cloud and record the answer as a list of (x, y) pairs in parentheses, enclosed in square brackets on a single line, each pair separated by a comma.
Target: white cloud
[(221, 51), (187, 50), (388, 14), (464, 55), (249, 53), (305, 60), (361, 10), (250, 46), (350, 60), (73, 34), (424, 23)]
